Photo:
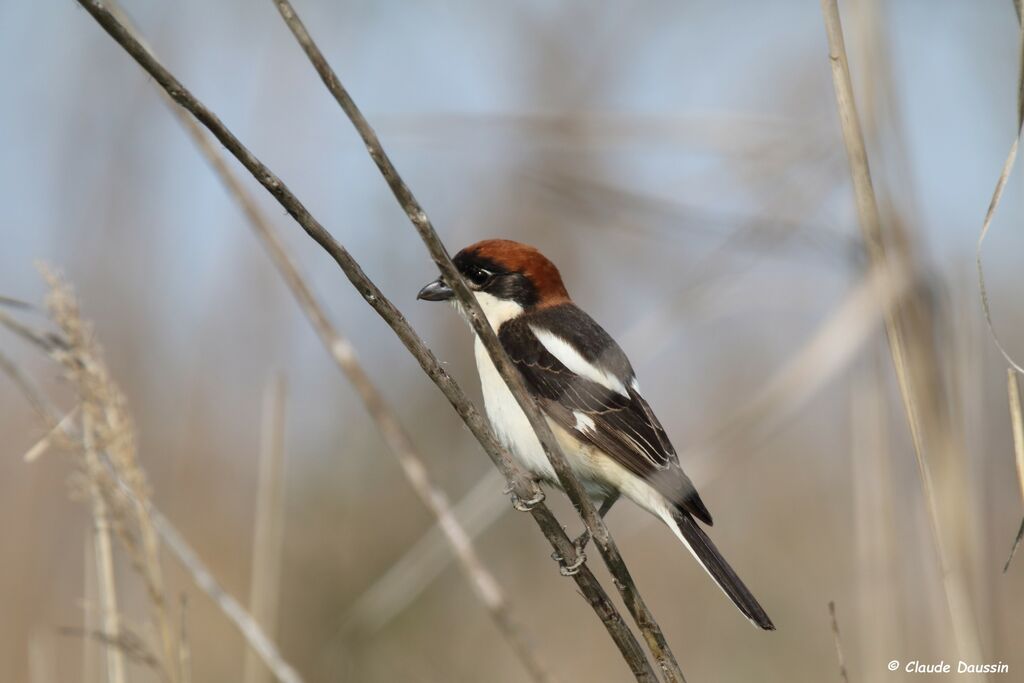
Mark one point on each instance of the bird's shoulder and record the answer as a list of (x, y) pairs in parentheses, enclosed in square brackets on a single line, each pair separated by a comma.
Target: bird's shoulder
[(586, 384), (575, 339)]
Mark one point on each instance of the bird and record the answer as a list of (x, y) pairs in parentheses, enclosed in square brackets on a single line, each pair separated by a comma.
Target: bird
[(589, 394)]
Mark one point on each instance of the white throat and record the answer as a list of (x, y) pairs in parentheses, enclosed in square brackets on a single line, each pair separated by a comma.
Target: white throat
[(497, 311)]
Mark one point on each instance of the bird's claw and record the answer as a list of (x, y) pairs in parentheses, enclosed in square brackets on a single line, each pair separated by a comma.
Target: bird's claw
[(526, 505), (581, 541), (566, 569)]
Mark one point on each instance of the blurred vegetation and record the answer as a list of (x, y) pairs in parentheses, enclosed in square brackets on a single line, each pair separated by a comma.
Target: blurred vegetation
[(683, 165)]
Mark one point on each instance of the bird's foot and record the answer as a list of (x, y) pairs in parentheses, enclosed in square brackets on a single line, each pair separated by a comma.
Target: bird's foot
[(526, 505), (581, 541), (573, 568)]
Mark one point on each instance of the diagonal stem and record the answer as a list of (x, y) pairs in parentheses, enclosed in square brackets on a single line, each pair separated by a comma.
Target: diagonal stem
[(916, 376), (519, 483), (481, 579), (645, 620)]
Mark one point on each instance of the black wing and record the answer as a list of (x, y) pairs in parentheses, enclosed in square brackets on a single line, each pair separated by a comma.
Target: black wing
[(620, 425)]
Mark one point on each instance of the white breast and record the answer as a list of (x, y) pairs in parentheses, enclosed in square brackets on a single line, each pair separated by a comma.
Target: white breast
[(595, 470), (508, 419)]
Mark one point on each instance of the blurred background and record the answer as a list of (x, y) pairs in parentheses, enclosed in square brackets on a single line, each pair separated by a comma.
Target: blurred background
[(681, 162)]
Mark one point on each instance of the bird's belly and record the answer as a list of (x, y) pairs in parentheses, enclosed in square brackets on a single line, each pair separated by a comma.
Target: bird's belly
[(513, 429)]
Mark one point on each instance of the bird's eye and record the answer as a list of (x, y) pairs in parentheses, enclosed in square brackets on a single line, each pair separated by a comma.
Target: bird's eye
[(478, 276)]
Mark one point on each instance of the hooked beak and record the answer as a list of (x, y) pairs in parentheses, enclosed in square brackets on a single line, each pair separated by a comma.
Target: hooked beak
[(436, 291)]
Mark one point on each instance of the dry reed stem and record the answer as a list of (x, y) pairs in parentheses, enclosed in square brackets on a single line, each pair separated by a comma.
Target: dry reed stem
[(254, 635), (914, 375), (104, 556), (268, 529), (997, 195), (873, 512), (24, 384), (122, 482), (184, 648), (522, 486), (826, 351), (42, 660), (89, 598), (397, 587), (343, 354), (55, 433), (838, 642), (107, 427), (1017, 422), (930, 328), (129, 643), (642, 616), (1004, 175)]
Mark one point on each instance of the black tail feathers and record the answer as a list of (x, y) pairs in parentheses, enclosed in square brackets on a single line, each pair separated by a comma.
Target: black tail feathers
[(707, 554)]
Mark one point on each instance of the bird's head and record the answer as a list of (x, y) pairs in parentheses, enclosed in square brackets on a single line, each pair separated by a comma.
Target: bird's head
[(508, 278)]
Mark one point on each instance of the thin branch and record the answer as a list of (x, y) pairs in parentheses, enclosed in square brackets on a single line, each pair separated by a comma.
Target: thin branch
[(128, 643), (184, 648), (268, 528), (643, 617), (1020, 68), (341, 351), (104, 558), (38, 402), (46, 442), (89, 598), (520, 484), (997, 195), (921, 399), (1015, 368), (14, 303), (1017, 422), (45, 341), (838, 643)]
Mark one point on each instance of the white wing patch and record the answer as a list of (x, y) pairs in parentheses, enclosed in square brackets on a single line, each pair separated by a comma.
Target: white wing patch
[(571, 358), (584, 423)]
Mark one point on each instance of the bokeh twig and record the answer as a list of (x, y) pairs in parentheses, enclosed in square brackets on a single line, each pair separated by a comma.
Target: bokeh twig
[(907, 329), (268, 528), (838, 642), (1017, 422)]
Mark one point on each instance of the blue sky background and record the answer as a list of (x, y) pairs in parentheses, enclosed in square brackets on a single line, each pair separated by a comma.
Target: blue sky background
[(648, 148)]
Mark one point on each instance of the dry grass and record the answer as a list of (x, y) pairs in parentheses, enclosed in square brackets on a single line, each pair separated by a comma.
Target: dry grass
[(109, 476), (915, 354), (840, 463), (99, 430), (1017, 424)]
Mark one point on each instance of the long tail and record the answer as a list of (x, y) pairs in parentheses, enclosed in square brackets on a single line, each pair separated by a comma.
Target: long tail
[(698, 543)]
